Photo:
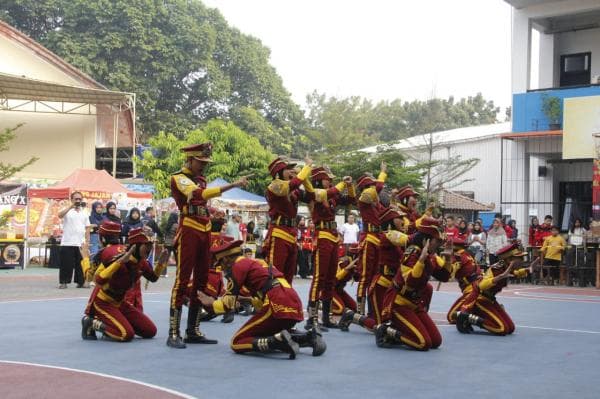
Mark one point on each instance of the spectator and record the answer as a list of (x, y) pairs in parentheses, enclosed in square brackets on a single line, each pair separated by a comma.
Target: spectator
[(95, 222), (496, 239), (575, 241), (451, 230), (477, 240), (233, 227), (552, 249), (248, 253), (463, 232), (133, 221), (243, 230), (533, 232), (170, 232), (149, 220), (507, 229), (545, 230), (76, 230), (470, 227), (304, 243), (515, 232), (112, 213), (480, 221), (349, 232), (250, 232)]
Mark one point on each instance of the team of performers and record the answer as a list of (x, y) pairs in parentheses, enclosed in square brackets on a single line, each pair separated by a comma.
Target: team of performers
[(399, 251)]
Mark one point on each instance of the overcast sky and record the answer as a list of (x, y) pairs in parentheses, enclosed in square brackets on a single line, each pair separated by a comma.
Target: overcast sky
[(382, 49)]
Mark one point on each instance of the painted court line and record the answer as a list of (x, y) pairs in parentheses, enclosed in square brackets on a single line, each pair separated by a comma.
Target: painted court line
[(524, 296), (67, 298), (171, 391), (444, 323)]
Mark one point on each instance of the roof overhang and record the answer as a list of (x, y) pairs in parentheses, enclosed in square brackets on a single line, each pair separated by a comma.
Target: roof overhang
[(21, 88), (528, 135)]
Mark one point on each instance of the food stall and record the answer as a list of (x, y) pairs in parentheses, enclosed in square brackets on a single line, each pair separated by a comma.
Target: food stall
[(13, 229)]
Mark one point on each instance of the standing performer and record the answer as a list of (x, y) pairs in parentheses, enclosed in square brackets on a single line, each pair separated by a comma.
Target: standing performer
[(279, 306), (487, 313), (188, 188), (369, 208), (324, 199), (468, 275), (409, 322), (107, 311), (406, 199), (391, 250), (283, 194)]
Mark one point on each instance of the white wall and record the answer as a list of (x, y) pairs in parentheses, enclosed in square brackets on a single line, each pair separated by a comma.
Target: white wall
[(546, 61), (62, 142), (578, 42)]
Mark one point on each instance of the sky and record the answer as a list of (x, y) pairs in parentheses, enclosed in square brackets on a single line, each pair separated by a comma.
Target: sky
[(382, 49)]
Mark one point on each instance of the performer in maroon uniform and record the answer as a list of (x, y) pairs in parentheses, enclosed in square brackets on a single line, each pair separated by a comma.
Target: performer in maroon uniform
[(324, 199), (283, 194), (468, 275), (409, 322), (278, 306), (120, 269), (188, 188), (487, 313), (393, 242), (345, 272), (369, 208)]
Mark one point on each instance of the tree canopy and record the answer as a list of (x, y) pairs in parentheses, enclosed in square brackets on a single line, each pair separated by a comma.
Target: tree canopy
[(235, 153)]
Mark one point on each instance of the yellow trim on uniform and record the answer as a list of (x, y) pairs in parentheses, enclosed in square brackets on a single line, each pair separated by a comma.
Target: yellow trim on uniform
[(341, 273), (363, 272), (218, 306), (369, 195), (229, 252), (321, 195), (107, 298), (283, 282), (415, 330), (107, 272), (397, 238), (340, 186), (373, 239), (280, 188), (502, 328), (400, 300), (284, 235), (384, 281), (417, 269), (177, 277), (451, 317), (314, 290), (327, 236), (304, 173), (185, 185), (521, 273), (488, 281), (115, 322), (211, 192), (204, 227), (351, 190), (246, 327), (382, 177)]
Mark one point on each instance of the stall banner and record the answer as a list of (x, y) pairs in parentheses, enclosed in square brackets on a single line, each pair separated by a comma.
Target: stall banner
[(43, 217), (13, 200)]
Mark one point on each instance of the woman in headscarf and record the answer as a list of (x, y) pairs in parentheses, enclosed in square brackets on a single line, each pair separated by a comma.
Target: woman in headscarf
[(132, 221), (96, 218), (112, 213)]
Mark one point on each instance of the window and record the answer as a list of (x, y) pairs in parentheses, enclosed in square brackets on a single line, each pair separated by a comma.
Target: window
[(575, 69)]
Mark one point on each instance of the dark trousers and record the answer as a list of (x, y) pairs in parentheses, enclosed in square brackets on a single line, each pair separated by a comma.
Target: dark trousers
[(304, 257), (70, 260)]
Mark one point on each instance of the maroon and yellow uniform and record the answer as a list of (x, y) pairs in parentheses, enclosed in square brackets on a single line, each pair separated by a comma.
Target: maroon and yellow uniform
[(341, 299), (107, 303), (283, 197), (278, 305), (369, 208), (468, 275)]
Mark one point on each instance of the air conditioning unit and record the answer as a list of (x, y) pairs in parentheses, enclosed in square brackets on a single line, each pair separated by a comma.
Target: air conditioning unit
[(595, 80)]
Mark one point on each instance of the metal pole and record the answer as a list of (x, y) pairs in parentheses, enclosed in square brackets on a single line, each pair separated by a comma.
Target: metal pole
[(134, 138), (115, 131)]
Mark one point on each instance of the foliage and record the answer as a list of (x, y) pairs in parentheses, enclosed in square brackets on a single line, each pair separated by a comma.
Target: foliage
[(235, 153), (8, 170), (186, 64), (552, 108)]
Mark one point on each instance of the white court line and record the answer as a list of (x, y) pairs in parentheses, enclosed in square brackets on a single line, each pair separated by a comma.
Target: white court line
[(68, 298), (171, 391), (534, 298), (532, 327)]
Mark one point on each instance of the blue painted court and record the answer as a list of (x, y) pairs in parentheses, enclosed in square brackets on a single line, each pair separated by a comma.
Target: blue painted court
[(555, 352)]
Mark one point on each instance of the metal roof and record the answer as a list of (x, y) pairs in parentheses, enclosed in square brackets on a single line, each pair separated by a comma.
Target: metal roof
[(23, 88)]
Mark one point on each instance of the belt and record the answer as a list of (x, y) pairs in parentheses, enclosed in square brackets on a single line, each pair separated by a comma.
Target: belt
[(410, 293), (281, 221), (196, 210), (369, 228), (270, 283), (490, 296), (326, 225), (388, 270)]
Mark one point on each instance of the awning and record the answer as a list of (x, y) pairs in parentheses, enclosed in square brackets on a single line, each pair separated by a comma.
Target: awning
[(528, 135), (22, 88)]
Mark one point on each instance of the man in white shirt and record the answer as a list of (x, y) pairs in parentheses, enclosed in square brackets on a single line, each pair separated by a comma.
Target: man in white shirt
[(76, 228), (349, 231), (233, 227)]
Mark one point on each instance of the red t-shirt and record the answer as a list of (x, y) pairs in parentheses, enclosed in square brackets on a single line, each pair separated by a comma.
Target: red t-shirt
[(243, 231), (451, 231)]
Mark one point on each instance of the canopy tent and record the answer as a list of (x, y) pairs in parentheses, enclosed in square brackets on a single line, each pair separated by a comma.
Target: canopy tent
[(237, 199), (92, 180)]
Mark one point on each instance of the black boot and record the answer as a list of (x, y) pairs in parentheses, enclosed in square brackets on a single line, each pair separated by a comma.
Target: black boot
[(312, 339), (325, 314), (351, 317), (465, 321), (282, 341), (313, 316), (175, 340), (386, 336), (193, 335), (227, 317), (89, 326)]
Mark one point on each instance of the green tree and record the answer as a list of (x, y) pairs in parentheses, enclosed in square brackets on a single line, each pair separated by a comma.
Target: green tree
[(186, 64), (235, 153), (8, 170)]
